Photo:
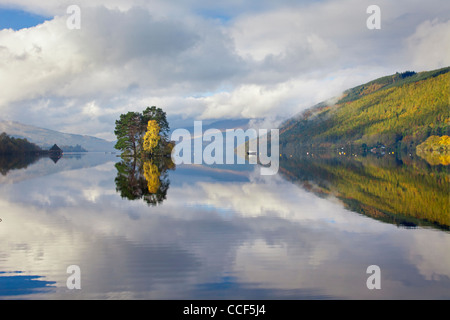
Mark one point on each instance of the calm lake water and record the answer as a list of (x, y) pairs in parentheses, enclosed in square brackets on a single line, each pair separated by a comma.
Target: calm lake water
[(224, 232)]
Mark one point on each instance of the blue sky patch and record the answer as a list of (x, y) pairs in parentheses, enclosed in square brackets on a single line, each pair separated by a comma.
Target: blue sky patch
[(215, 15), (18, 19)]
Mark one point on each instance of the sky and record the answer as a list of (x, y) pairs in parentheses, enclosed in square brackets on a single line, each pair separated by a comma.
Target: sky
[(203, 60)]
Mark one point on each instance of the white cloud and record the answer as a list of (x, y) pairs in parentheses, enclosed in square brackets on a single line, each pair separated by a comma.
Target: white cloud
[(429, 46), (204, 60), (264, 231)]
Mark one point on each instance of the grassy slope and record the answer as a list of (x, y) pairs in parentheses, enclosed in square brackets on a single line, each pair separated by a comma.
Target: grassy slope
[(400, 110)]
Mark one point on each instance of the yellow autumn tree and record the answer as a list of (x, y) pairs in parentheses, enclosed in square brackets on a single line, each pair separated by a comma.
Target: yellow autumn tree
[(151, 138), (435, 150), (151, 174)]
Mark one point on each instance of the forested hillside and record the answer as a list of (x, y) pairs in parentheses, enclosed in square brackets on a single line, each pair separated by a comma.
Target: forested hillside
[(10, 145), (398, 111)]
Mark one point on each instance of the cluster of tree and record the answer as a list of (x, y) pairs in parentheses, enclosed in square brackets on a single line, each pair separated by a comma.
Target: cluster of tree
[(145, 179), (143, 134), (436, 143), (10, 145), (401, 115), (144, 142), (435, 150)]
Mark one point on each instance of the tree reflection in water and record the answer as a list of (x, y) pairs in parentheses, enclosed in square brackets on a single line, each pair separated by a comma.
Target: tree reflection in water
[(146, 179), (13, 162), (405, 191)]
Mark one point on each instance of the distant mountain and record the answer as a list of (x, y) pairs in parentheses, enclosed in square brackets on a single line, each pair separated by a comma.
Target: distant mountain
[(398, 111), (46, 138)]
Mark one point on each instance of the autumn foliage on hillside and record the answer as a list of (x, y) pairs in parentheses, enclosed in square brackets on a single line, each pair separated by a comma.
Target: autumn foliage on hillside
[(401, 113)]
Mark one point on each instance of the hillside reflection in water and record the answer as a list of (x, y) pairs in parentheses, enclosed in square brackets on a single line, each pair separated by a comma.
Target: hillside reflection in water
[(225, 232)]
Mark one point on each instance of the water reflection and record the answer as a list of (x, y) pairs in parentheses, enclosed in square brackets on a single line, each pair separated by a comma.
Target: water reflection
[(23, 161), (221, 233), (144, 179), (39, 166), (406, 192), (16, 284), (14, 162)]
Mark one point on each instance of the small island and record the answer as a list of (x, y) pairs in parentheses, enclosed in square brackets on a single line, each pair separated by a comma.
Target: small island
[(142, 138)]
